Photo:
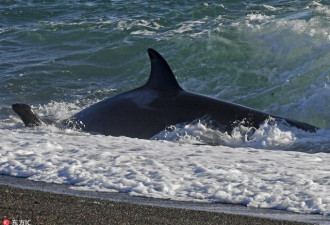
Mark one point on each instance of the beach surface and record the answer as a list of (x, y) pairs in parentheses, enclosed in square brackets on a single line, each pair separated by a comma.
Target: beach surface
[(43, 203)]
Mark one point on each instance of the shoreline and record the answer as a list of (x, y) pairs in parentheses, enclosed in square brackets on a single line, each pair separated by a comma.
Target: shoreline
[(38, 207), (44, 203)]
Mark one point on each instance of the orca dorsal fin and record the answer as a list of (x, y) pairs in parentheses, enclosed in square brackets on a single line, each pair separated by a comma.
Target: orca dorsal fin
[(161, 75)]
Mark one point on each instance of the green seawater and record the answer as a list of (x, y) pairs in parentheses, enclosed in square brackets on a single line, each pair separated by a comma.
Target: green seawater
[(269, 55)]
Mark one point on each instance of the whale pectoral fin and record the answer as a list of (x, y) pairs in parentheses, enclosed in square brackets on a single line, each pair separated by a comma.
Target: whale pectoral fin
[(27, 115)]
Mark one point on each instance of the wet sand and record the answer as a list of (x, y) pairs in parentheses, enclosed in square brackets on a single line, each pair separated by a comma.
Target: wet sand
[(48, 208), (48, 203), (39, 207)]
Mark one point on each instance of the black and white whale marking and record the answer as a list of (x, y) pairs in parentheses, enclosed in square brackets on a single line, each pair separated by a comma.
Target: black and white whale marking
[(148, 110)]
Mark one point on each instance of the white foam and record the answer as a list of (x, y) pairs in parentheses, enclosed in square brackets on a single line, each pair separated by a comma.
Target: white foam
[(241, 172), (188, 26), (319, 8), (270, 135), (138, 25), (258, 17), (316, 27), (323, 10), (271, 8), (143, 32)]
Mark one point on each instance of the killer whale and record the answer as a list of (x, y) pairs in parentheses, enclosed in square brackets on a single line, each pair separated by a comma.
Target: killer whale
[(149, 109)]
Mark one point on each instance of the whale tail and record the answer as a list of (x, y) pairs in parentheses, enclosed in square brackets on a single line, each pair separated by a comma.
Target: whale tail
[(27, 115)]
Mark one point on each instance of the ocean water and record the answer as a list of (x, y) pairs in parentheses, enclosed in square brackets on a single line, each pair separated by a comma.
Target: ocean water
[(61, 57)]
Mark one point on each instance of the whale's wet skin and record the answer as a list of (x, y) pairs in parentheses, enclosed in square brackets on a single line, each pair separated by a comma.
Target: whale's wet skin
[(70, 60), (146, 111)]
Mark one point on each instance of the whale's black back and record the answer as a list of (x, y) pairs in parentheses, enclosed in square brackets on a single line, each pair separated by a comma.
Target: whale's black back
[(161, 102)]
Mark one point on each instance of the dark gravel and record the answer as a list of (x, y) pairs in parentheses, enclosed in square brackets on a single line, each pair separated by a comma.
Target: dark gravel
[(47, 208)]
